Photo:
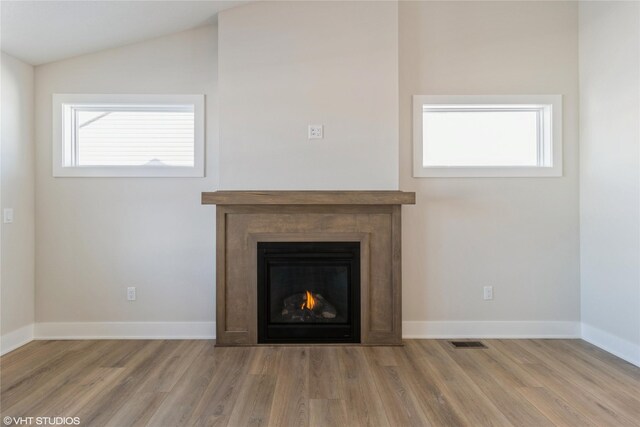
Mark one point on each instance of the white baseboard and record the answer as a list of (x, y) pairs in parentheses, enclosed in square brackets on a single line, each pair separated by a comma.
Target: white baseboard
[(490, 329), (124, 330), (411, 329), (612, 344), (15, 339), (207, 330)]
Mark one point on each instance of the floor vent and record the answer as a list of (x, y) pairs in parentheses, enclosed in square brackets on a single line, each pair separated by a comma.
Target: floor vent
[(468, 344)]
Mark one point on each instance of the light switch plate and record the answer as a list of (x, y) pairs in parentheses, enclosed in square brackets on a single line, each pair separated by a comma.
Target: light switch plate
[(316, 132), (7, 215)]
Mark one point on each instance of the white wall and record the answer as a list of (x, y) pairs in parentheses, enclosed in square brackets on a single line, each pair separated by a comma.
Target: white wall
[(610, 175), (17, 192), (519, 235), (97, 236), (279, 72), (285, 65)]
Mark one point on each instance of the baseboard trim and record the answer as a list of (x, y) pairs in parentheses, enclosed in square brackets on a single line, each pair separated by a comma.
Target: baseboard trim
[(490, 329), (16, 339), (613, 344), (124, 330), (411, 329), (206, 330)]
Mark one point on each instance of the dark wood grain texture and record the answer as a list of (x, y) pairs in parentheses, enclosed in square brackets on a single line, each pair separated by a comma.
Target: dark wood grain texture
[(376, 227), (308, 198)]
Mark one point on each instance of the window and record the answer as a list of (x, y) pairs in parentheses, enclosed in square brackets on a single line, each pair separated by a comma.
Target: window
[(487, 136), (128, 135)]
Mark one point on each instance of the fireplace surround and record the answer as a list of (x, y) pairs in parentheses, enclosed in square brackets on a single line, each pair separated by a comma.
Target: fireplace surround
[(250, 224)]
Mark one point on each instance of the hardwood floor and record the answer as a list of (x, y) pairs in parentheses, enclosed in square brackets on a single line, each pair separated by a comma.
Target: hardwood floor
[(424, 383)]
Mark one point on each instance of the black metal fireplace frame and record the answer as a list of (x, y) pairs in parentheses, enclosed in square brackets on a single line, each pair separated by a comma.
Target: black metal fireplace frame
[(306, 253)]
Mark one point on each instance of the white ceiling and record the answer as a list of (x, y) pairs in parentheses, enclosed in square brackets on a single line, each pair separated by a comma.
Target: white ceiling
[(38, 32)]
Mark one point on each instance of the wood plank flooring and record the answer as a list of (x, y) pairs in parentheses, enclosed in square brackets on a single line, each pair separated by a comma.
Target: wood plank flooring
[(424, 383)]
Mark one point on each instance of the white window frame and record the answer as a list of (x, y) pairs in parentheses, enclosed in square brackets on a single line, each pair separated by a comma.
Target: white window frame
[(63, 145), (549, 143)]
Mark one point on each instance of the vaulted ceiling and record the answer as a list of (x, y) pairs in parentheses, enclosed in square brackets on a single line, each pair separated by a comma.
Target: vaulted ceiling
[(38, 32)]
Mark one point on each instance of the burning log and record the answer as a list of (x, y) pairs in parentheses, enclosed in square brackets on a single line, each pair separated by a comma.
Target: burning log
[(307, 307)]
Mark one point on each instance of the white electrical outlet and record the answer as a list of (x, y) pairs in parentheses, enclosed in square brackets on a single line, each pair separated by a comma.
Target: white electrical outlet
[(488, 292), (315, 132), (131, 293), (7, 215)]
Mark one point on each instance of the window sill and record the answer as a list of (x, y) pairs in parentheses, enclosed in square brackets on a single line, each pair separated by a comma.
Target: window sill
[(128, 172), (488, 172)]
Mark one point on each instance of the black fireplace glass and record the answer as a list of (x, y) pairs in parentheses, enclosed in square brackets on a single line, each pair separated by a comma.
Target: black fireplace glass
[(328, 285), (308, 292)]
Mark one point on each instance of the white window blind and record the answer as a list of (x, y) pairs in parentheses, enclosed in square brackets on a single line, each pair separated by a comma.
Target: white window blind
[(134, 136)]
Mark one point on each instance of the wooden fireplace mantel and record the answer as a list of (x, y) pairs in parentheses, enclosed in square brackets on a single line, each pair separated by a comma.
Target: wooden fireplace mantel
[(244, 218), (309, 198)]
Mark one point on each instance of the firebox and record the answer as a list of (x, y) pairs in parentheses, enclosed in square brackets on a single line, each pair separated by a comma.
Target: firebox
[(308, 292)]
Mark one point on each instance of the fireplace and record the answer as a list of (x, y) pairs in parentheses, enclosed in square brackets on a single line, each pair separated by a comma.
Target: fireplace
[(335, 253), (308, 292)]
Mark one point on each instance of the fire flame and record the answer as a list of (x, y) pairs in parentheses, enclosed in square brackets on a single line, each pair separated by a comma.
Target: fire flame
[(310, 302)]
